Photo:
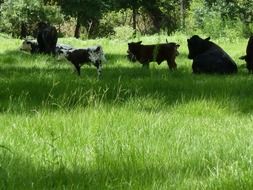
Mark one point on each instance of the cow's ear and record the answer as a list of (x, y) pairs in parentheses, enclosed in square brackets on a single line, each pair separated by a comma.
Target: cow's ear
[(98, 48), (207, 39), (139, 42), (177, 45)]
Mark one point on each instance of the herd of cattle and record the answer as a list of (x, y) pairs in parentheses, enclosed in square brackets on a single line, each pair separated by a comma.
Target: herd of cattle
[(207, 56)]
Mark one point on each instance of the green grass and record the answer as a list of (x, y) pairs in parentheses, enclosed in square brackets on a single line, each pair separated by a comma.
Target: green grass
[(133, 129)]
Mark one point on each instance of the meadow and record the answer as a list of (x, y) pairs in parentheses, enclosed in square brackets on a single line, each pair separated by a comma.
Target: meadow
[(132, 129)]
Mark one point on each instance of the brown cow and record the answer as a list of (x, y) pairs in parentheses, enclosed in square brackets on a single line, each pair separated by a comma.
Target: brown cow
[(157, 52)]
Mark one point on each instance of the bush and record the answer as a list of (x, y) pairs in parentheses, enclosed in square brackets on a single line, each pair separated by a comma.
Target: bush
[(28, 13), (214, 22), (123, 32)]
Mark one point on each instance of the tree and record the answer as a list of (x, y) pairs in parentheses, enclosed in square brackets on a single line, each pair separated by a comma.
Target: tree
[(134, 5), (163, 13), (19, 17), (86, 13)]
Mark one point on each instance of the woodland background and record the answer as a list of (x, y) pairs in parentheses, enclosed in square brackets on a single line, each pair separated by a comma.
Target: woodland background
[(87, 19)]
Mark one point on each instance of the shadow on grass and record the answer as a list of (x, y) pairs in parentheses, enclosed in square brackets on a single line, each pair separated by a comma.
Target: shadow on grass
[(17, 172), (55, 86)]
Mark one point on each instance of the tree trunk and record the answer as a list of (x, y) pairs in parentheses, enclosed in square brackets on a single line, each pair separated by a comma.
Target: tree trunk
[(78, 28), (157, 18), (134, 20), (182, 7)]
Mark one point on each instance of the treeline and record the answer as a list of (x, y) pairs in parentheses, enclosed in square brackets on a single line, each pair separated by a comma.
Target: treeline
[(124, 18)]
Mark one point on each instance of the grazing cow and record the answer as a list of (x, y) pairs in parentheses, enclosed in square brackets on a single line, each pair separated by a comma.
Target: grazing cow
[(78, 57), (30, 45), (47, 38), (61, 50), (249, 55), (158, 53), (208, 57)]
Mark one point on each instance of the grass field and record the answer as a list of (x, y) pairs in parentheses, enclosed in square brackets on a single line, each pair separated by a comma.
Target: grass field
[(133, 129)]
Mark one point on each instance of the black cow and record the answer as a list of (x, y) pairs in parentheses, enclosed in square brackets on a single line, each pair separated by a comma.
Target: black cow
[(47, 38), (208, 57), (158, 53), (78, 57), (249, 55)]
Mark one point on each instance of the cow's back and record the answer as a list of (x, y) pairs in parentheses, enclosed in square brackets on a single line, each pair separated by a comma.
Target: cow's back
[(47, 38), (157, 52), (208, 57), (214, 60)]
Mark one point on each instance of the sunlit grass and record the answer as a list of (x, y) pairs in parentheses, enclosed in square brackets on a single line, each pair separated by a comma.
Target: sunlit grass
[(133, 129)]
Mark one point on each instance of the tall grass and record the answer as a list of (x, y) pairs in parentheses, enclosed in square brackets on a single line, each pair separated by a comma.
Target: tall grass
[(133, 129)]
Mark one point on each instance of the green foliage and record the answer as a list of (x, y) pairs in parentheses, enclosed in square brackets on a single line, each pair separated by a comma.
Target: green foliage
[(123, 32), (100, 17), (28, 12), (217, 19)]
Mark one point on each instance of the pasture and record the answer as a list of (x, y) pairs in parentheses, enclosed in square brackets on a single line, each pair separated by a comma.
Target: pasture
[(132, 129)]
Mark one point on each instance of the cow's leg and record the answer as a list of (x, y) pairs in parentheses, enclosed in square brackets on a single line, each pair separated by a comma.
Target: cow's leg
[(78, 68), (98, 65), (145, 65), (172, 64)]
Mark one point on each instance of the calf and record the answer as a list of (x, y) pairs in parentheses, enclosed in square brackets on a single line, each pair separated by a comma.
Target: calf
[(249, 55), (208, 57), (158, 53), (47, 38), (30, 45), (94, 55)]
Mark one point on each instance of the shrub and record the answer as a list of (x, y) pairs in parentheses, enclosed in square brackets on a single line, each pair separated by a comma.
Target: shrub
[(123, 32)]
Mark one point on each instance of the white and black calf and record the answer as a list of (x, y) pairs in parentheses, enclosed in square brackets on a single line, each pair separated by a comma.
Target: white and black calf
[(30, 45), (78, 57), (92, 55)]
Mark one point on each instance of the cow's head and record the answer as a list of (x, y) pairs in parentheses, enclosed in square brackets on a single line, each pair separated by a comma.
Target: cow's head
[(29, 45), (62, 51), (176, 47), (249, 50), (132, 51), (96, 54), (42, 25), (196, 46)]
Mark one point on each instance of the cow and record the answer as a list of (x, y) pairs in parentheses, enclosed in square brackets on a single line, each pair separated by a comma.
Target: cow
[(61, 50), (91, 55), (156, 52), (249, 55), (30, 45), (47, 38), (208, 57)]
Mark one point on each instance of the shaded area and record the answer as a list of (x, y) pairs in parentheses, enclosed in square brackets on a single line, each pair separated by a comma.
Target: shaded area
[(37, 87), (19, 173), (52, 85), (125, 170)]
